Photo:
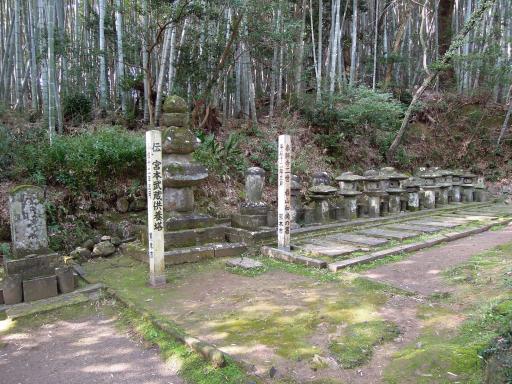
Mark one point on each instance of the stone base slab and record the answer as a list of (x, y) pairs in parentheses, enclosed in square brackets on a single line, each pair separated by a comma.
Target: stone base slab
[(193, 237), (33, 266), (40, 288), (189, 221), (292, 258), (244, 263), (250, 222)]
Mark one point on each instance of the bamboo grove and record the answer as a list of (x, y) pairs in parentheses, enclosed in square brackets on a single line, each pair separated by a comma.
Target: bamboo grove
[(240, 57)]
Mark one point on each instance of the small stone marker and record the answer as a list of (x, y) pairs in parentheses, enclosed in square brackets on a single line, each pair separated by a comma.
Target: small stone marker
[(284, 192), (155, 209), (244, 263), (28, 221)]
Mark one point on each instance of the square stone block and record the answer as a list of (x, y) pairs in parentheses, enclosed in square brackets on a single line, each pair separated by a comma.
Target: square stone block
[(250, 222), (33, 266), (40, 288)]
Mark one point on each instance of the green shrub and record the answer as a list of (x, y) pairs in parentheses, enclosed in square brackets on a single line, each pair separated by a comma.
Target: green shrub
[(6, 153), (356, 111), (84, 161), (77, 108), (221, 158)]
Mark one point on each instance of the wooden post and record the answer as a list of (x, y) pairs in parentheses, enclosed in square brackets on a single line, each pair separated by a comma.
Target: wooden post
[(155, 209), (284, 195)]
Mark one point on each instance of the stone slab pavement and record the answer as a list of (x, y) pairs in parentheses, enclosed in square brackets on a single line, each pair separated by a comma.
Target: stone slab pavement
[(421, 272), (82, 351)]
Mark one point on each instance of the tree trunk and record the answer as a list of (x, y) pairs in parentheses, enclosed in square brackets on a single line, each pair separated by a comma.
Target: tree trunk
[(444, 63), (353, 51), (507, 117), (103, 60), (446, 78), (120, 56)]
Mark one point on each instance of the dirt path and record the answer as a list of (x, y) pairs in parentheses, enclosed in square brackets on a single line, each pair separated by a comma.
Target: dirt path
[(421, 272), (87, 350)]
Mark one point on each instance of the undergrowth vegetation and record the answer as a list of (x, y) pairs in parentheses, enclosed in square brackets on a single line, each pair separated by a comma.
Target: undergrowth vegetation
[(78, 162)]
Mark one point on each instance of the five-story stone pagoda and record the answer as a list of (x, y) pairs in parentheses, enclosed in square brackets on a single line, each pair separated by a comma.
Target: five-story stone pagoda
[(189, 236)]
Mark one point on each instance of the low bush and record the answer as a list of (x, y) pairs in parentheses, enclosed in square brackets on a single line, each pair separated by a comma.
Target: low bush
[(81, 162), (77, 108)]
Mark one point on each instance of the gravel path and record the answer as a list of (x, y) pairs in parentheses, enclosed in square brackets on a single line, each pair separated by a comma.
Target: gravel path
[(87, 350), (421, 272)]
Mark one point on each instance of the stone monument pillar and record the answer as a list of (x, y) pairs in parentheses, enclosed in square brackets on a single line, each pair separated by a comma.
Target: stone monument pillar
[(181, 173), (253, 212), (284, 176), (348, 183)]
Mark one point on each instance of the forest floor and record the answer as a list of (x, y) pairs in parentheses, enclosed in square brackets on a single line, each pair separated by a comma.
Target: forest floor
[(291, 324)]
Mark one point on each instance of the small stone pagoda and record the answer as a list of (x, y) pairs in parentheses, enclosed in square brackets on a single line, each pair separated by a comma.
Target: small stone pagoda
[(322, 194), (468, 187), (429, 188), (253, 211), (455, 192)]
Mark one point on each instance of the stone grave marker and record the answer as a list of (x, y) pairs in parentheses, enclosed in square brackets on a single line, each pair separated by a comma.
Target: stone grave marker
[(28, 221), (155, 208)]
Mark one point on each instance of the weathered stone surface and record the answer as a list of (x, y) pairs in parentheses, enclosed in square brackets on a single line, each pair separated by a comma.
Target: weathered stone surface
[(189, 255), (432, 223), (138, 204), (179, 141), (292, 257), (105, 238), (89, 244), (122, 205), (325, 248), (358, 239), (412, 227), (103, 249), (28, 221), (389, 234), (173, 119), (40, 288), (244, 263), (174, 104), (81, 253), (250, 222), (65, 279), (229, 249), (33, 266), (189, 221), (12, 289), (192, 237)]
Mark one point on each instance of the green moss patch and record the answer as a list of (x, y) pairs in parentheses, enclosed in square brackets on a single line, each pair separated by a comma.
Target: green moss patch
[(355, 346)]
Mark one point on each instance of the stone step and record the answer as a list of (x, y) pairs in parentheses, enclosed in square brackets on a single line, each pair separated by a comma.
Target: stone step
[(207, 251), (321, 248), (414, 227), (194, 237), (389, 234), (432, 223), (358, 239)]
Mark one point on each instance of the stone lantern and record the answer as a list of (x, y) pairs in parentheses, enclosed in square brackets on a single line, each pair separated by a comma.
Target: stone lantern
[(468, 187), (373, 189), (429, 188), (412, 187), (348, 183), (481, 194), (456, 186), (321, 194), (393, 189), (443, 181)]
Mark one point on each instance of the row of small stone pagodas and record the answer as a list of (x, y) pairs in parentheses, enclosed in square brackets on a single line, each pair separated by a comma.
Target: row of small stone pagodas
[(373, 194)]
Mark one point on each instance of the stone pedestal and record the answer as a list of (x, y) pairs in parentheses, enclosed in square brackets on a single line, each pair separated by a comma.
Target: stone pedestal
[(412, 189), (430, 189), (429, 197), (374, 204), (481, 194), (253, 212), (455, 192)]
